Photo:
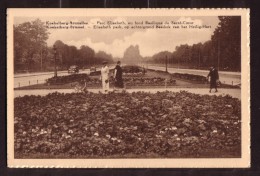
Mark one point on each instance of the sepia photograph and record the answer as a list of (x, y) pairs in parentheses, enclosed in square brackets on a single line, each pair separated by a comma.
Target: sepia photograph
[(128, 88)]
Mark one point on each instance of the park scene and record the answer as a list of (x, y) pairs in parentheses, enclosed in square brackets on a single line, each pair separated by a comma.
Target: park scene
[(165, 108)]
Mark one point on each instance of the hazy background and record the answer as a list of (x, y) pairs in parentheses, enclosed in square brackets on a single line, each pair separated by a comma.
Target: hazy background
[(116, 41)]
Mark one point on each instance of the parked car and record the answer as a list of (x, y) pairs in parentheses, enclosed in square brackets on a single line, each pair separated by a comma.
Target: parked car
[(73, 69), (93, 69)]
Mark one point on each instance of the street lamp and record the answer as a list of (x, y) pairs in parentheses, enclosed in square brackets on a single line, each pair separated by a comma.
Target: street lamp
[(55, 53), (199, 57), (166, 64), (218, 51)]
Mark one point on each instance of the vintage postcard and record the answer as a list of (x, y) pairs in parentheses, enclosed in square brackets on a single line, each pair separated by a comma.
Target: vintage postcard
[(128, 88)]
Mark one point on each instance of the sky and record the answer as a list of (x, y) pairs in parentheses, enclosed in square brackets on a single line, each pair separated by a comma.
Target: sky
[(115, 41)]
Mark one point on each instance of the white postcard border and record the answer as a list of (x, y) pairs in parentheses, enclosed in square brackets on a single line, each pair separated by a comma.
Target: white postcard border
[(243, 162)]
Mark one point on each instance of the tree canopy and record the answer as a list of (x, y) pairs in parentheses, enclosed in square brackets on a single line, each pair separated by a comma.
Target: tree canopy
[(31, 52), (29, 44), (223, 49)]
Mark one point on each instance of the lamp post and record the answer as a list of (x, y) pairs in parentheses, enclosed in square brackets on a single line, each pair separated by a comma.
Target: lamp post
[(166, 64), (55, 53), (199, 56), (218, 51)]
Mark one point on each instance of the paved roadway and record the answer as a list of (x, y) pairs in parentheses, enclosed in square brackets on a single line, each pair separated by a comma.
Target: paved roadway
[(26, 79)]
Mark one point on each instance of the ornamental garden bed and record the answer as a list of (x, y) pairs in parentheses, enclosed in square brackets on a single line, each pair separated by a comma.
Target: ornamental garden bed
[(184, 76), (155, 81), (95, 82), (127, 125), (60, 80), (133, 71), (150, 79), (191, 77)]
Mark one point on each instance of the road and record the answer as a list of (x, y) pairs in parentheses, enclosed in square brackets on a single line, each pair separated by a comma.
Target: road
[(26, 79)]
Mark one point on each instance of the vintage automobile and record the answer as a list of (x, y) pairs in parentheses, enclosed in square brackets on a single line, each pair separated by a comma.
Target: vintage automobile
[(93, 69), (73, 69)]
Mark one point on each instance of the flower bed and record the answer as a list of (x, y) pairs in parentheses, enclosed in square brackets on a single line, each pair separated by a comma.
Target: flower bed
[(135, 81), (163, 124), (95, 73), (190, 77), (156, 81), (69, 79), (132, 69), (134, 74)]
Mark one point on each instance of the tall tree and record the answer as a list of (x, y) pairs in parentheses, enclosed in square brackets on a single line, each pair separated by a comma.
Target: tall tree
[(86, 55), (227, 42), (161, 56), (29, 43), (103, 56)]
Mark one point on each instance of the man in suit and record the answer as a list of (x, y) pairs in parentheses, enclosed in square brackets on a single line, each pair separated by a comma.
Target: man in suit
[(213, 76)]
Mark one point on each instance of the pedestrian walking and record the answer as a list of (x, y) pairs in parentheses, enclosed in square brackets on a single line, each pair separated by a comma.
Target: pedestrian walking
[(213, 78), (118, 76), (105, 77)]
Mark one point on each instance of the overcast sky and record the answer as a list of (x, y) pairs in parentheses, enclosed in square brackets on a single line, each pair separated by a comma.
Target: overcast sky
[(115, 42)]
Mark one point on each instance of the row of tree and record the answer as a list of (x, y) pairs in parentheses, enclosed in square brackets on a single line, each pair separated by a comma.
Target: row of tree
[(222, 51), (29, 44), (31, 52), (83, 57)]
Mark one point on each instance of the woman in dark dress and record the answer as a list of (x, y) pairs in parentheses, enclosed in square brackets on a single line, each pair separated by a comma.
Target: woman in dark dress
[(213, 74), (118, 75)]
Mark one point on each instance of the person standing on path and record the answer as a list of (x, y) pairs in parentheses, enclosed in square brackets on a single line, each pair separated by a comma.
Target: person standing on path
[(105, 76), (213, 76), (118, 76)]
